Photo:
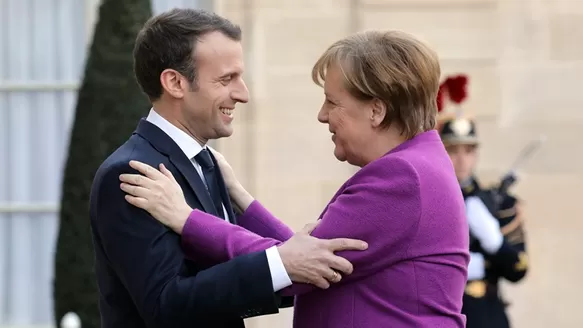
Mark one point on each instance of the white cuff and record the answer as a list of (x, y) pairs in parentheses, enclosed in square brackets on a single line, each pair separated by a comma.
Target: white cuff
[(477, 267), (279, 277)]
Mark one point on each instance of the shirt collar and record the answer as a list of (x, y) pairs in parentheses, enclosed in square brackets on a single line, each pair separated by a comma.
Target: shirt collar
[(189, 146)]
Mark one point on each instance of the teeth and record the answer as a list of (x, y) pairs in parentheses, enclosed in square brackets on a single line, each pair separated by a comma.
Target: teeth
[(227, 111)]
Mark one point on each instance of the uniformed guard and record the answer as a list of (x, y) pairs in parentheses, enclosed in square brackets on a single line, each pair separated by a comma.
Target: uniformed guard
[(497, 243)]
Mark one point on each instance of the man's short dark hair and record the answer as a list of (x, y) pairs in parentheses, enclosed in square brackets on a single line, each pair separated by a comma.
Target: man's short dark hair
[(168, 41)]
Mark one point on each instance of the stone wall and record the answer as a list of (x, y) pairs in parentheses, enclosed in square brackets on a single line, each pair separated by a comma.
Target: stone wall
[(524, 59)]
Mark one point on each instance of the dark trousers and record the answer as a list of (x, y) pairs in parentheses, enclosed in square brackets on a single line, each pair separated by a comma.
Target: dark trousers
[(485, 312)]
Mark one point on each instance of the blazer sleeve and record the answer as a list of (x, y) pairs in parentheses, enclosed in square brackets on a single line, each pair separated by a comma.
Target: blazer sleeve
[(216, 241), (260, 221), (511, 261), (379, 208), (148, 260)]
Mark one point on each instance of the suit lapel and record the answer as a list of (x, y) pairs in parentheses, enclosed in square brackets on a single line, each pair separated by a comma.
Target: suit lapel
[(165, 145), (224, 192)]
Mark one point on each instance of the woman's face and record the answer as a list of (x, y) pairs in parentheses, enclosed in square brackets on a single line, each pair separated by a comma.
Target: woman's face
[(350, 120)]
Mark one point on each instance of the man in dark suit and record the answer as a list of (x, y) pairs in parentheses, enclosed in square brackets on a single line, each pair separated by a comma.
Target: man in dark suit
[(190, 64)]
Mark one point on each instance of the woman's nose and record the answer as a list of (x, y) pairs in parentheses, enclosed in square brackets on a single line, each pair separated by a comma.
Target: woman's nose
[(323, 116)]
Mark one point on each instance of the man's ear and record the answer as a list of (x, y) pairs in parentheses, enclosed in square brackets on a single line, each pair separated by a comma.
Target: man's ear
[(378, 112), (173, 83)]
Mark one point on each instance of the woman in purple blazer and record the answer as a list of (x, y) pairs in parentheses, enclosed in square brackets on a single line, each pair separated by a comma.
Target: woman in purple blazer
[(380, 107)]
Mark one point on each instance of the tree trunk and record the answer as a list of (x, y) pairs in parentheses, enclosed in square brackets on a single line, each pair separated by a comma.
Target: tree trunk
[(109, 106)]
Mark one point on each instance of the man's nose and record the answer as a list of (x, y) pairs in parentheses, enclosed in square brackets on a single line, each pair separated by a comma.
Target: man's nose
[(241, 93)]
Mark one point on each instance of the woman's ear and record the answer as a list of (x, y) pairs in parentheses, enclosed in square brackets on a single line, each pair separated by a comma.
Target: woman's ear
[(378, 113)]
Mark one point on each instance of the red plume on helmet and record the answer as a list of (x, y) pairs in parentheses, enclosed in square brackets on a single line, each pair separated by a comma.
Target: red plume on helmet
[(457, 88), (453, 89)]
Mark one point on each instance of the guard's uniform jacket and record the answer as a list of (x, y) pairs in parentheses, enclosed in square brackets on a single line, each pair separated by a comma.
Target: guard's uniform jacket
[(483, 304)]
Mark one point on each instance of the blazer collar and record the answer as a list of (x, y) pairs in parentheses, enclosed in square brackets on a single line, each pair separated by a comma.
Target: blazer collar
[(190, 147), (166, 146)]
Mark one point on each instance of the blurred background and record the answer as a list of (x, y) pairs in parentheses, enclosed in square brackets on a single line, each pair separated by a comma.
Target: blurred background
[(524, 59)]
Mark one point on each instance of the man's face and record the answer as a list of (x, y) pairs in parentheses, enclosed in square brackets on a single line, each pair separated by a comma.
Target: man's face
[(463, 157), (208, 107)]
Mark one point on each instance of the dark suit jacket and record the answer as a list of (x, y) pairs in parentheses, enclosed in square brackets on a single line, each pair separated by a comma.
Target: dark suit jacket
[(143, 276)]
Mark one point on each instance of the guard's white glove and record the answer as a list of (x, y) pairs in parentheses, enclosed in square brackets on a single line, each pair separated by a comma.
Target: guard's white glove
[(483, 225), (477, 266)]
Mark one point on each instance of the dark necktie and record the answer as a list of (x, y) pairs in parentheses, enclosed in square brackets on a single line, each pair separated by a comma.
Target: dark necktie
[(210, 175)]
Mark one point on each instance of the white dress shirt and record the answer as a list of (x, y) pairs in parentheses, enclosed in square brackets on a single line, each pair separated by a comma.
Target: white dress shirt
[(191, 148)]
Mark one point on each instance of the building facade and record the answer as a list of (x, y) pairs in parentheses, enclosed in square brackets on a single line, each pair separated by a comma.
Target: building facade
[(525, 67)]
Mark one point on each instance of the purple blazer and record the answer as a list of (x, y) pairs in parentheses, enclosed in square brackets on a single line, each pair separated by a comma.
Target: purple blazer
[(408, 206)]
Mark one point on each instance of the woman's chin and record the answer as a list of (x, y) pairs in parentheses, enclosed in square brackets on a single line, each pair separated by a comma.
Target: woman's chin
[(339, 154)]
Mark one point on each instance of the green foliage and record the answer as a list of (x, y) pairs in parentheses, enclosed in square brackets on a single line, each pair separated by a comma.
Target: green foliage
[(109, 106)]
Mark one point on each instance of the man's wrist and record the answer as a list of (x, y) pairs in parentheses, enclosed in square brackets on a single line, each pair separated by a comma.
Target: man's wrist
[(283, 252)]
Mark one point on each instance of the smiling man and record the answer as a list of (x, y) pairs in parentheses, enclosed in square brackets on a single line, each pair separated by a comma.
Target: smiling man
[(190, 65)]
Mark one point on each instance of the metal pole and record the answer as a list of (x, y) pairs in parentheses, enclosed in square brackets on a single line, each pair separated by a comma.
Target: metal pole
[(12, 86), (11, 208)]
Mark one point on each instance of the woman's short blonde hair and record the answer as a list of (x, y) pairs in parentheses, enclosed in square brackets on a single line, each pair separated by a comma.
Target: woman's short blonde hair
[(391, 66)]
